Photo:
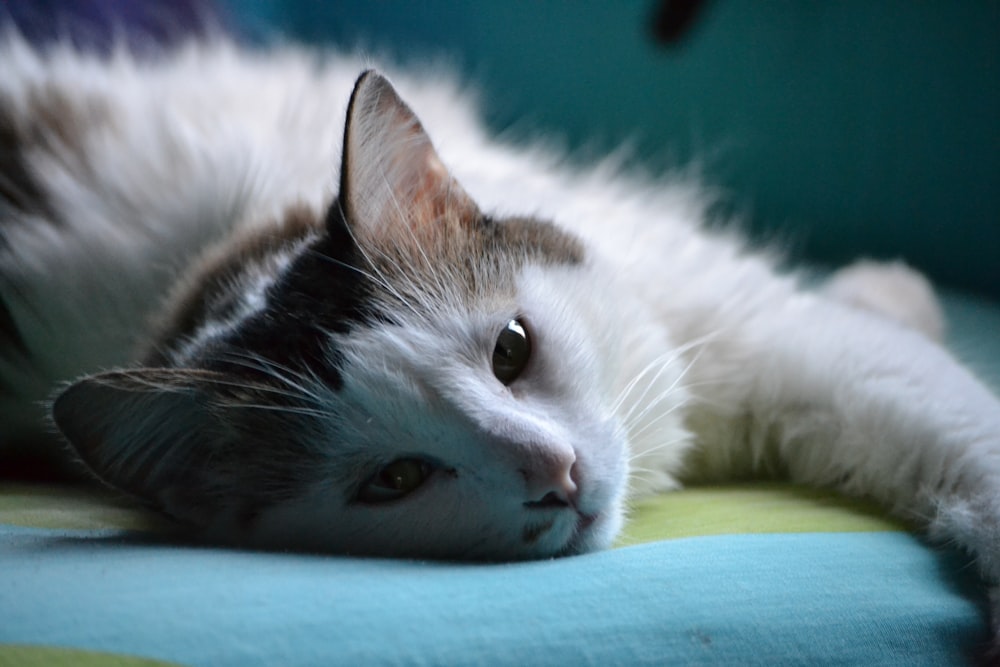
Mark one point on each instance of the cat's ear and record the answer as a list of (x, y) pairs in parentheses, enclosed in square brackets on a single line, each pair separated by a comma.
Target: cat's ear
[(149, 432), (390, 173)]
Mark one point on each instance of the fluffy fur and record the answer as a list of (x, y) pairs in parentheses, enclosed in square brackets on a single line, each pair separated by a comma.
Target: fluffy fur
[(265, 335)]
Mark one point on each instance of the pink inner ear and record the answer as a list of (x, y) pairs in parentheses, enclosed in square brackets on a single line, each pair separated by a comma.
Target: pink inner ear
[(438, 195), (436, 179), (392, 175)]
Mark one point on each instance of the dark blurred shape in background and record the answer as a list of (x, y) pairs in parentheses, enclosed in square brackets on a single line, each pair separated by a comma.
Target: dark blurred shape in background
[(97, 24)]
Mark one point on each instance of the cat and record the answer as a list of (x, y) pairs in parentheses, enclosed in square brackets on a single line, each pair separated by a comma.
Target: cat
[(289, 324)]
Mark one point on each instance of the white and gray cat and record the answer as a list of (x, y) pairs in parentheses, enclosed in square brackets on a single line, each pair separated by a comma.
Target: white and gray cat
[(463, 351)]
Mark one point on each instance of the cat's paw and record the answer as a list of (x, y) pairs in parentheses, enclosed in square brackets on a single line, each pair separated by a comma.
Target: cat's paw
[(890, 289), (974, 524)]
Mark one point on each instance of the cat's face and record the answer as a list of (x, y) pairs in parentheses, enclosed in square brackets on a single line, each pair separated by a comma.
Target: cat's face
[(405, 377)]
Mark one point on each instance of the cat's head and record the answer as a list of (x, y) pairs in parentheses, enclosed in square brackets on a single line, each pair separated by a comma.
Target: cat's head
[(403, 375)]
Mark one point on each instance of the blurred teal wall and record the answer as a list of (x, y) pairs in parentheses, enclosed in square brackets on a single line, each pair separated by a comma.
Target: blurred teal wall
[(842, 128)]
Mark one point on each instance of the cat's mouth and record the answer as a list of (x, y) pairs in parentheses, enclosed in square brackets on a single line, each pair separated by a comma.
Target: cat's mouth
[(551, 500), (584, 537), (576, 532), (586, 521)]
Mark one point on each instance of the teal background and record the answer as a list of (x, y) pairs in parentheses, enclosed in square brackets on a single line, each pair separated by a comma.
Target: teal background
[(838, 128)]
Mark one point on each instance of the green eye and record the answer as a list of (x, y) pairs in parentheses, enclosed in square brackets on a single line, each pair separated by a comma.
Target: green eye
[(399, 478), (512, 351)]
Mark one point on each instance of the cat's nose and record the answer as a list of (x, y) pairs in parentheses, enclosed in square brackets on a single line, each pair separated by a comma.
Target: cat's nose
[(550, 484)]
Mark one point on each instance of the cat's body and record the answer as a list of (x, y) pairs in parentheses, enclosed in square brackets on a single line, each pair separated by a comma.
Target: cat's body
[(327, 374)]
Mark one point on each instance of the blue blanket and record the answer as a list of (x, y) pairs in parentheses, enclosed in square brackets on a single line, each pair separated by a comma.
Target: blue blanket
[(810, 598)]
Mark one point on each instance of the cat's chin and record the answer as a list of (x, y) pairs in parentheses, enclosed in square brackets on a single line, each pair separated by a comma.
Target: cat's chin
[(593, 532)]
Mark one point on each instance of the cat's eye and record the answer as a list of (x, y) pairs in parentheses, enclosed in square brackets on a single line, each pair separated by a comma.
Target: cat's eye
[(511, 353), (395, 480)]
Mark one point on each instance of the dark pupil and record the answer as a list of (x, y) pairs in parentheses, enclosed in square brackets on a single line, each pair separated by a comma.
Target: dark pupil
[(402, 475), (511, 353)]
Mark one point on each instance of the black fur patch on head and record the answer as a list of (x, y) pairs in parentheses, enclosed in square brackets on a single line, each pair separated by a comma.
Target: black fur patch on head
[(324, 291), (209, 291)]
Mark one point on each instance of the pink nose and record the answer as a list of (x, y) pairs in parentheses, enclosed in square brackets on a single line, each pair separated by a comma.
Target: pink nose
[(549, 479)]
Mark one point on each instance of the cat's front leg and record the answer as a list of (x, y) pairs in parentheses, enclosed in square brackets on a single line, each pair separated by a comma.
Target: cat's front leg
[(843, 398)]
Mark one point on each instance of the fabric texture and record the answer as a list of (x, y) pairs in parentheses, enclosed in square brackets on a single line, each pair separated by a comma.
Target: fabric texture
[(845, 598)]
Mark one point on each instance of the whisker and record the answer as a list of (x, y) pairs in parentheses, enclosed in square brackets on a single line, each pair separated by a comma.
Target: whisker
[(662, 363), (306, 412), (659, 362), (644, 474), (370, 276), (629, 418), (663, 445), (667, 394), (635, 435), (258, 388), (656, 364), (273, 370)]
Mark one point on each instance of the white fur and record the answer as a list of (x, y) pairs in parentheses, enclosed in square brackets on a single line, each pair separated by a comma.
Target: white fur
[(722, 365)]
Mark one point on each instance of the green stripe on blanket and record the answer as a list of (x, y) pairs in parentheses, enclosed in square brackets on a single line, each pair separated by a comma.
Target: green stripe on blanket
[(766, 507), (17, 655), (72, 508), (763, 507)]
